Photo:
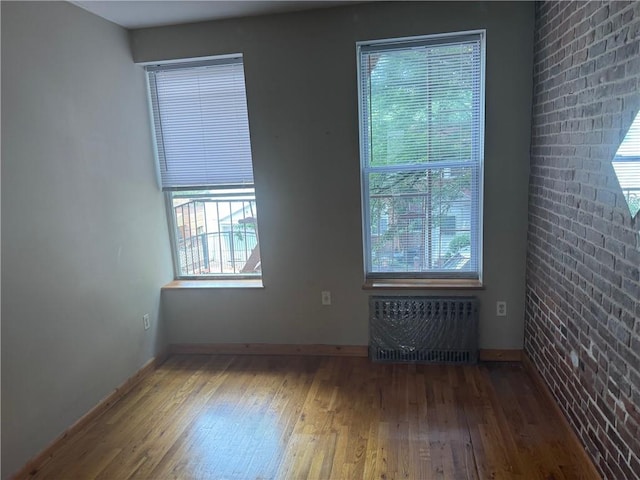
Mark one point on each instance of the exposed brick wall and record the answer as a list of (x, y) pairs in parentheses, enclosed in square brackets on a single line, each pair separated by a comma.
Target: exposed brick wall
[(583, 287)]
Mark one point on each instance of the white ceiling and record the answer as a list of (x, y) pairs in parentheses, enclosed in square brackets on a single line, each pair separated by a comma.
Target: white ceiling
[(152, 13)]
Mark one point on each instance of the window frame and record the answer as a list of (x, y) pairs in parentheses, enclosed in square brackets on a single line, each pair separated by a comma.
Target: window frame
[(446, 279), (168, 193)]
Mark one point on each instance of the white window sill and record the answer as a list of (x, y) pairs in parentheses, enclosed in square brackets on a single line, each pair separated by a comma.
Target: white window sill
[(423, 284), (214, 283)]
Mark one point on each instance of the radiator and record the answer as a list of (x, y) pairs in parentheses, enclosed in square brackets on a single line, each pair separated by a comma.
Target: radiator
[(423, 329)]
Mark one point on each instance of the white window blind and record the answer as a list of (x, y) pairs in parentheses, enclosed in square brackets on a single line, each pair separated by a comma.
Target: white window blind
[(630, 146), (422, 128), (201, 124)]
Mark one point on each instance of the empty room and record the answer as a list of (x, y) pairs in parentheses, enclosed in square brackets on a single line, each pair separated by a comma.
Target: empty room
[(320, 239)]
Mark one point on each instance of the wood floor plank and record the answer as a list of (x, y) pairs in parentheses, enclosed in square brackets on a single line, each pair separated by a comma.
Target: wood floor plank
[(271, 417), (146, 444), (75, 452)]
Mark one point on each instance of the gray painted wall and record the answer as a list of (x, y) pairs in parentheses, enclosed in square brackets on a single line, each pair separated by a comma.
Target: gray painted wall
[(84, 236), (302, 98)]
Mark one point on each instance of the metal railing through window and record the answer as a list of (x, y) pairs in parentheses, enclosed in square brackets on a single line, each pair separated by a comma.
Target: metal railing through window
[(216, 234)]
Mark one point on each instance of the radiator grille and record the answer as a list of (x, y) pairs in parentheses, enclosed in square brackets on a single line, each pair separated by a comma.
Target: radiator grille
[(423, 329)]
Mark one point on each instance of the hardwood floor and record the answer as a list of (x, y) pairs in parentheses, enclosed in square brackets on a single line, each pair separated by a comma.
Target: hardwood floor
[(235, 417)]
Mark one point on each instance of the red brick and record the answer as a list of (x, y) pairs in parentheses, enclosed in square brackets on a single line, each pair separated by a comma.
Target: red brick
[(583, 285)]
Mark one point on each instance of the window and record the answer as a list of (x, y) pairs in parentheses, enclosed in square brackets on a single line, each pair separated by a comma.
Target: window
[(204, 156), (626, 165), (421, 144)]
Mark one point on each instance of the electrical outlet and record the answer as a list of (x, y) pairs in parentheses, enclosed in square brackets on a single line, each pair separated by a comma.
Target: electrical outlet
[(501, 308), (326, 297), (145, 321)]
